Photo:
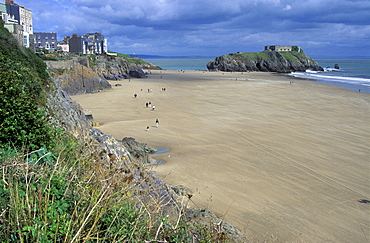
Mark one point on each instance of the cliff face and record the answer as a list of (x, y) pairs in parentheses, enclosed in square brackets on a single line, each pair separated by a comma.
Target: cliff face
[(127, 158), (116, 68), (90, 74), (266, 61)]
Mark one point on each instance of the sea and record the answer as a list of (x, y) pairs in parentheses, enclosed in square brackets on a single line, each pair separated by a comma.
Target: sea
[(353, 74)]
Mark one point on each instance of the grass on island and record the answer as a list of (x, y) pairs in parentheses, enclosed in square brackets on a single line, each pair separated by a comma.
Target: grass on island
[(129, 58), (295, 55)]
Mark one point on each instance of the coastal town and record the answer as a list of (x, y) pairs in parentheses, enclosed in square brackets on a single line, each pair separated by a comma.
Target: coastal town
[(18, 20), (101, 146)]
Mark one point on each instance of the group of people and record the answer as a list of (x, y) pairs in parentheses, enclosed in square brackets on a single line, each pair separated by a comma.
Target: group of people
[(151, 106), (156, 125)]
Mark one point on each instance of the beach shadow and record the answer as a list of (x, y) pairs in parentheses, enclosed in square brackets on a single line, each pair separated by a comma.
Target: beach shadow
[(364, 201)]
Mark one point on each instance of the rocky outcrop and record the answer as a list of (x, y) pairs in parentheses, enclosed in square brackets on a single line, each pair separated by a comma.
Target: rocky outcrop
[(117, 68), (266, 61), (89, 74), (75, 77)]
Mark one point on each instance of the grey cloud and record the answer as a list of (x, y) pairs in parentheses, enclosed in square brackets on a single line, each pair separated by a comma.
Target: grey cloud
[(208, 26)]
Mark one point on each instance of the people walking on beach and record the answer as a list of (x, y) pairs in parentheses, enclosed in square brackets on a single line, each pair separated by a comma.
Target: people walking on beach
[(147, 128), (156, 122)]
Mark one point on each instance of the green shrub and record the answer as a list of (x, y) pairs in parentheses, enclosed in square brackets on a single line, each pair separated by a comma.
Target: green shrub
[(23, 78), (22, 121)]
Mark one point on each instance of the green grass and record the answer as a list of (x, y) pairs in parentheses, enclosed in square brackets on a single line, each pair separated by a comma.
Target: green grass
[(47, 198), (129, 59), (295, 56), (255, 55), (289, 55)]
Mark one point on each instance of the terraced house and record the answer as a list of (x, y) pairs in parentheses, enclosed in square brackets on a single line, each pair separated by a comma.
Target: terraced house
[(18, 20), (90, 43), (46, 40)]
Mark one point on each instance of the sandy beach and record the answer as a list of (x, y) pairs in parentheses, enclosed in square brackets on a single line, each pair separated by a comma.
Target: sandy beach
[(282, 161)]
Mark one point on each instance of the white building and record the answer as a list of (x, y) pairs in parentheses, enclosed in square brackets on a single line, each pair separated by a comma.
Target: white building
[(19, 23), (26, 22)]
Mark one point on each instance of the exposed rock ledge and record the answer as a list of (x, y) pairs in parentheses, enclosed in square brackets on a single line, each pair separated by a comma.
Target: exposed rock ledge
[(266, 61)]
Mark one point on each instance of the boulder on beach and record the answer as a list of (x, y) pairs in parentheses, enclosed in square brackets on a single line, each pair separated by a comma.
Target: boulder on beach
[(140, 151)]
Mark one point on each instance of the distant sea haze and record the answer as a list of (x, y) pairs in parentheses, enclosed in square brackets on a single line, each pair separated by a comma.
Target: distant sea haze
[(353, 74)]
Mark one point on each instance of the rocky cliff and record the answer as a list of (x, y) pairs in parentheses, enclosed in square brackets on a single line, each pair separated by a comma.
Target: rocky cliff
[(266, 61), (89, 74), (126, 158)]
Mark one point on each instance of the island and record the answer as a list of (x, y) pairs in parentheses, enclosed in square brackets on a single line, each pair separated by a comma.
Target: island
[(277, 58)]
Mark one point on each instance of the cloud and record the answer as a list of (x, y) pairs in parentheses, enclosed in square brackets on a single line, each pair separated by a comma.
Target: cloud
[(207, 26), (287, 7)]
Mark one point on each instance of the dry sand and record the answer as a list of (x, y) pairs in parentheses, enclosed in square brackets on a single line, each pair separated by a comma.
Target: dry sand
[(281, 161)]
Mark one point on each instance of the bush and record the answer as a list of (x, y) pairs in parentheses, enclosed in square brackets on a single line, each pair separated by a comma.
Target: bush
[(23, 78)]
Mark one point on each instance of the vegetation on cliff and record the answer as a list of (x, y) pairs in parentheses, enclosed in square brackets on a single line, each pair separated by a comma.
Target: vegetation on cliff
[(23, 79), (57, 188)]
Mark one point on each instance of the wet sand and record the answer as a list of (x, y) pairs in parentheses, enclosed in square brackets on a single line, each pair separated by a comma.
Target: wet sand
[(281, 161)]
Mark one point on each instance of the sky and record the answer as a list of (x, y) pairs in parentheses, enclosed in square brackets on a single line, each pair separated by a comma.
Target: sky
[(322, 28)]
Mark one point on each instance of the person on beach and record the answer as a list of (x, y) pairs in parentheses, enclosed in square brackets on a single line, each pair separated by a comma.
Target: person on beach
[(153, 108), (146, 104), (150, 104), (147, 128), (156, 122), (135, 95)]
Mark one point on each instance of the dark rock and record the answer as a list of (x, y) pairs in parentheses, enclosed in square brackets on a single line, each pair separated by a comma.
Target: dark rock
[(336, 66), (139, 151), (222, 231), (180, 190), (132, 145), (139, 73)]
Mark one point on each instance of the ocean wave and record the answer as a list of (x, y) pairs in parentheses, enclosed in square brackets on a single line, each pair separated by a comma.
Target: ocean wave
[(333, 70), (311, 71), (342, 79)]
